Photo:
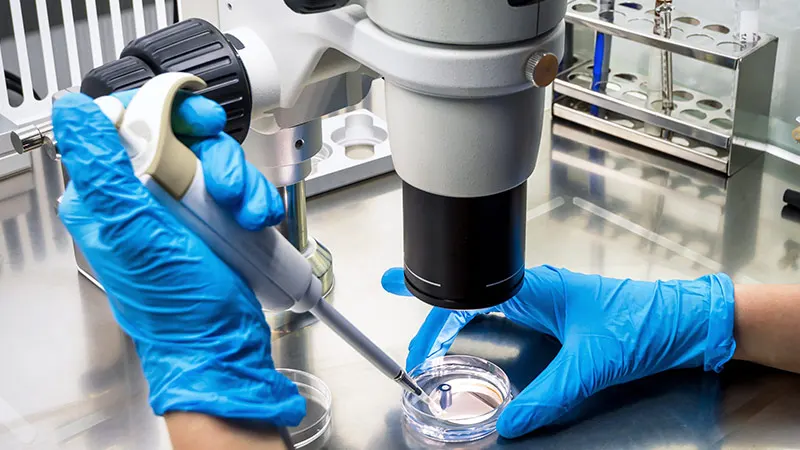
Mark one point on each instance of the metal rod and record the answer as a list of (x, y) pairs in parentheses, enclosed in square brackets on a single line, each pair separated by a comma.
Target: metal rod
[(138, 15), (3, 88), (72, 43), (663, 27), (47, 46), (161, 14), (94, 33), (18, 26), (602, 55), (116, 26), (295, 226)]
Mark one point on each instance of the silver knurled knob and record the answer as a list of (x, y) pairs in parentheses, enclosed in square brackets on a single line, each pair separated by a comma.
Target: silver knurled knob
[(32, 137), (541, 69)]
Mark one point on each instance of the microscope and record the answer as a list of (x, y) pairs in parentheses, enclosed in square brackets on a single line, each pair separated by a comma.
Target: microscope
[(464, 96)]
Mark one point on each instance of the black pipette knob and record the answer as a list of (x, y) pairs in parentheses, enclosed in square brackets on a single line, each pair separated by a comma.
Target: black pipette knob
[(792, 198)]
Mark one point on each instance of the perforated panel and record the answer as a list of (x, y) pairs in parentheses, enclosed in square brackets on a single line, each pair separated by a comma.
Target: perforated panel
[(48, 45)]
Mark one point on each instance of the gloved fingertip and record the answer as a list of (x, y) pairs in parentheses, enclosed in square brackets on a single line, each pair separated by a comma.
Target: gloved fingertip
[(73, 116), (262, 205), (520, 419), (192, 115), (223, 168), (276, 210), (91, 151), (125, 96), (509, 424), (436, 335), (560, 387), (70, 100), (72, 212), (393, 282), (195, 115), (69, 200)]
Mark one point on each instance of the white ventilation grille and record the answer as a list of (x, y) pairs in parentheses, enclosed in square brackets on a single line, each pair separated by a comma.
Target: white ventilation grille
[(48, 45)]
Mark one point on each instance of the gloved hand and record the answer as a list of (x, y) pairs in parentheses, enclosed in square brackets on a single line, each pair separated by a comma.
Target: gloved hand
[(612, 332), (199, 331)]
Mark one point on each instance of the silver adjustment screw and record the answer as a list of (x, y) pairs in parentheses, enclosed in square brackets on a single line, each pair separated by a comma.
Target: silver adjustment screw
[(541, 69), (33, 137), (26, 139)]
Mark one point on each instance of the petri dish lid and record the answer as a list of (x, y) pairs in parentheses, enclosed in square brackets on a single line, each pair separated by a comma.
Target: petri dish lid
[(314, 431), (469, 393)]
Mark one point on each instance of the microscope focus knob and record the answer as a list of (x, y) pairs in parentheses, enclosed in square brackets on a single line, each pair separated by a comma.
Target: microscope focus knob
[(193, 46), (120, 75), (541, 69)]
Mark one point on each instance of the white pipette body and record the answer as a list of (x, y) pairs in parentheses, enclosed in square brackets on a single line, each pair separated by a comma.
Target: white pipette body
[(279, 275)]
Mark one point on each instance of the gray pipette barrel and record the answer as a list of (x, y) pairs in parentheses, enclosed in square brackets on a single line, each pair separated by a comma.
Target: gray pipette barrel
[(338, 323), (278, 274)]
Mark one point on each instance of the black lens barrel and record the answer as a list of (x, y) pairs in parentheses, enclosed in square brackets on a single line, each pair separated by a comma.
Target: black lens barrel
[(464, 253)]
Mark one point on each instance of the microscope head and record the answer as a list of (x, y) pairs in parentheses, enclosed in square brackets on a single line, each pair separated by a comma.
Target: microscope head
[(464, 163), (464, 96), (464, 153)]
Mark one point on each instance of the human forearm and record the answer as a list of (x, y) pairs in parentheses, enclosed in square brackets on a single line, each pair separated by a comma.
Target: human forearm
[(767, 325), (192, 431)]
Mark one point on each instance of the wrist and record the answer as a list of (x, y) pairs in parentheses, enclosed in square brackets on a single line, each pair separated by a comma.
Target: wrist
[(742, 295), (720, 342), (199, 432)]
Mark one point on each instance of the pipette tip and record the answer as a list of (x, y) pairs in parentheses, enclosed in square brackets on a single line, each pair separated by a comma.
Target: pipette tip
[(410, 385)]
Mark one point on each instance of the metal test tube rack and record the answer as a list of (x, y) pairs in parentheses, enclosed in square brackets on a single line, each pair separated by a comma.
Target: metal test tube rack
[(695, 126)]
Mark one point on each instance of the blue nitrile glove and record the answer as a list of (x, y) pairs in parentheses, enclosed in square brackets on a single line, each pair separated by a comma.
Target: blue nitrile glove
[(612, 332), (198, 329)]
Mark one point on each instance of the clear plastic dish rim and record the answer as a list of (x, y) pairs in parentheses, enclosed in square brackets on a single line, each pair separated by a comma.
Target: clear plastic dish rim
[(457, 432), (312, 382)]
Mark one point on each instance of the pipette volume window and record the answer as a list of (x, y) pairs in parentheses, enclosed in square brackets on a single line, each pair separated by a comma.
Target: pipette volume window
[(471, 393)]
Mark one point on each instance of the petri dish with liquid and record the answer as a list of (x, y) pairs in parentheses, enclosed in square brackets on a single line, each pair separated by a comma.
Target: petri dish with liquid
[(314, 431), (467, 395)]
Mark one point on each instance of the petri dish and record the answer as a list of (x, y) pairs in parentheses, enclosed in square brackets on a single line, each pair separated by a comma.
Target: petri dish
[(314, 431), (470, 393)]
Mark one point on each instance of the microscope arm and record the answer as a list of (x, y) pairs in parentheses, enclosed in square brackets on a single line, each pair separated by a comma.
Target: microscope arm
[(464, 108), (464, 113), (294, 50)]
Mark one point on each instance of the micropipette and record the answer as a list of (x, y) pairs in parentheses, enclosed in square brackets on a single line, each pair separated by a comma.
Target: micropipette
[(279, 275)]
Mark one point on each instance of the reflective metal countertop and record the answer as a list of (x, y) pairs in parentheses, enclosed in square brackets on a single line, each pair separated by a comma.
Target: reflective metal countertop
[(71, 380)]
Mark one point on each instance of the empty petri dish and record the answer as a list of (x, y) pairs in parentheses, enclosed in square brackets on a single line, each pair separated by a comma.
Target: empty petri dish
[(314, 431), (469, 392)]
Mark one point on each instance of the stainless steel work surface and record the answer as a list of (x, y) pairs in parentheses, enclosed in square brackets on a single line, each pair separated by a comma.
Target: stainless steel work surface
[(70, 379)]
